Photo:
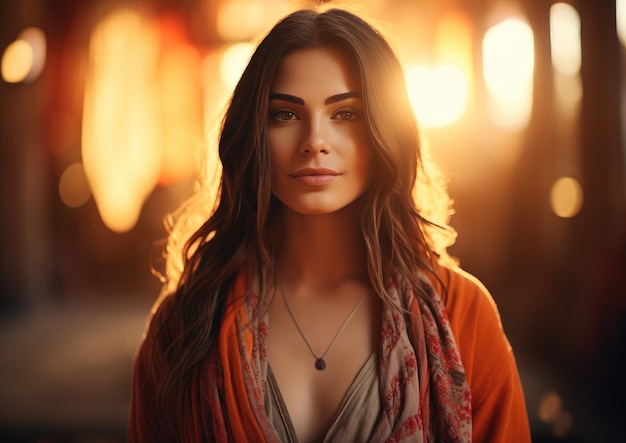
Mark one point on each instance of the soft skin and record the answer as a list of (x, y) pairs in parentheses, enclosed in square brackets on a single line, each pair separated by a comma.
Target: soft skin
[(321, 165), (319, 146)]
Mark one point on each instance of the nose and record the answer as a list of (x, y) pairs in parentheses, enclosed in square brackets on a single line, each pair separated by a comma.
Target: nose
[(315, 140)]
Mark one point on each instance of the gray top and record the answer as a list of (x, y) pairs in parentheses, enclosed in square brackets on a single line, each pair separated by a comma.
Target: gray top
[(355, 419)]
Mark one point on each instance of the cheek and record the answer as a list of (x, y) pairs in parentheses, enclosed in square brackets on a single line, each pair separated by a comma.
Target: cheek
[(282, 141), (279, 153), (275, 144), (364, 159)]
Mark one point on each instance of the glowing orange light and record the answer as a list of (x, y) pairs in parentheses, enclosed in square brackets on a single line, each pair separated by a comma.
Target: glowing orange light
[(551, 411), (454, 38), (565, 38), (17, 61), (142, 115), (569, 91), (549, 406), (178, 84), (620, 19), (121, 148), (508, 67), (233, 62), (215, 95), (241, 20), (24, 59), (438, 95), (566, 197), (73, 186), (37, 40)]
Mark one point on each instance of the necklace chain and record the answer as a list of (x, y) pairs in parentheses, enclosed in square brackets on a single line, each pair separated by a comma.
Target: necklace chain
[(320, 363)]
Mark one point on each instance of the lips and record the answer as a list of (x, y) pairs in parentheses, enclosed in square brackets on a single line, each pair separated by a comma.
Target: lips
[(314, 171), (315, 176)]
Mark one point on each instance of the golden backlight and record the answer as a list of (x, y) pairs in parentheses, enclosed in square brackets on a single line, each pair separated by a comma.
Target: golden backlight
[(142, 113), (233, 61), (620, 19), (146, 102), (73, 187), (439, 94), (121, 149), (565, 39), (508, 67), (17, 61), (566, 197), (24, 59)]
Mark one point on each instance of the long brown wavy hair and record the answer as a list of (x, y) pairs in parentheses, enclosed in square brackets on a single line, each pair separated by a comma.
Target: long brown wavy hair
[(401, 210)]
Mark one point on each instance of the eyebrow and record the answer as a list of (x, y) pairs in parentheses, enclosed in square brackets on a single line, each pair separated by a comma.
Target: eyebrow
[(330, 100)]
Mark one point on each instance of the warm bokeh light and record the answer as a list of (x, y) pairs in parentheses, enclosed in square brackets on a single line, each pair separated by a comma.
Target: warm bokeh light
[(241, 20), (620, 6), (569, 91), (565, 38), (233, 61), (551, 411), (454, 37), (438, 95), (17, 61), (508, 67), (121, 147), (24, 59), (549, 406), (178, 85), (142, 116), (180, 127), (215, 94), (566, 197), (37, 40), (73, 186)]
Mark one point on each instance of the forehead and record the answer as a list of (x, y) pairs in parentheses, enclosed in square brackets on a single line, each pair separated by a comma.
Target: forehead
[(321, 71)]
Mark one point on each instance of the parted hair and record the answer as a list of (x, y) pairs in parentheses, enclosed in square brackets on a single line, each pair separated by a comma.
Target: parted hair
[(404, 212)]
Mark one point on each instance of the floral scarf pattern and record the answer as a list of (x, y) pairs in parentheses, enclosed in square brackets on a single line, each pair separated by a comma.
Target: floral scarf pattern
[(424, 393)]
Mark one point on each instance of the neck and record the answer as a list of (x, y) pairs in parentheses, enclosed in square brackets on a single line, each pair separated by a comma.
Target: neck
[(321, 250)]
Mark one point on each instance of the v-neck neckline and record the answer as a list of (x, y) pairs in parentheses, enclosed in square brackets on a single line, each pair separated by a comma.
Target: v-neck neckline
[(361, 377)]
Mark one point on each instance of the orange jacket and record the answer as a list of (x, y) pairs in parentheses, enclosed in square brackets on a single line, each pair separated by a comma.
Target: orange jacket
[(498, 405)]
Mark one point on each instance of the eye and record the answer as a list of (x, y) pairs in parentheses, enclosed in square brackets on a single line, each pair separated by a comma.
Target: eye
[(283, 115), (346, 115)]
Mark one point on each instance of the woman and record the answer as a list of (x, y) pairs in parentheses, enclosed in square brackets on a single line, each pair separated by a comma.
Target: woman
[(315, 303)]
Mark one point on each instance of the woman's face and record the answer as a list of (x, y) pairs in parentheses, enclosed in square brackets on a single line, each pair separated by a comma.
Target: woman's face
[(319, 146)]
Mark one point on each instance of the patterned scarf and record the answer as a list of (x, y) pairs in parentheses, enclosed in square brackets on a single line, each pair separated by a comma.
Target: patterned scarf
[(424, 394)]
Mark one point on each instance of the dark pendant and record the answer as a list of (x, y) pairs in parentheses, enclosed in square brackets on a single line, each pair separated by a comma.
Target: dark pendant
[(320, 364)]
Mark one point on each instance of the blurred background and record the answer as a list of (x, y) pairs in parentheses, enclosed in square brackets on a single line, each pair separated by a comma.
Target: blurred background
[(106, 104)]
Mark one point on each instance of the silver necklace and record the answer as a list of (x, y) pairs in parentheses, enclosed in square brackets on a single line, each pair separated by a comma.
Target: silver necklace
[(320, 363)]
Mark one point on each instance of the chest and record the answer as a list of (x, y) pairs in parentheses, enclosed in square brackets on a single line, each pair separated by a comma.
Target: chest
[(312, 396)]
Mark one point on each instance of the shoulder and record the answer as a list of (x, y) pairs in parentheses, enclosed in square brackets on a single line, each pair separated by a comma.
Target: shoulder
[(474, 320), (498, 404), (469, 305)]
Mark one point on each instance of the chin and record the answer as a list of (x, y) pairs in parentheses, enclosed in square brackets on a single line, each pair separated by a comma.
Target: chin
[(322, 209), (317, 205)]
